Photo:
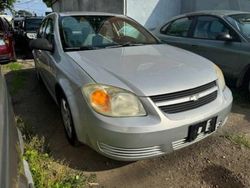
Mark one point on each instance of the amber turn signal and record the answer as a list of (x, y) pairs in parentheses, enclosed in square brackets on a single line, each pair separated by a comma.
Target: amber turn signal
[(101, 99)]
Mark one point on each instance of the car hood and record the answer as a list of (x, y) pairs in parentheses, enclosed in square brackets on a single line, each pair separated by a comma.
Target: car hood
[(146, 70)]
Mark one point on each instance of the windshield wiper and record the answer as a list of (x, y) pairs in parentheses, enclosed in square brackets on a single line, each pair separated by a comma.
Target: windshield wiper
[(80, 48), (124, 45)]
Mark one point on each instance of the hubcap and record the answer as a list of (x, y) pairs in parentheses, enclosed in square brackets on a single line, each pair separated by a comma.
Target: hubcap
[(66, 117)]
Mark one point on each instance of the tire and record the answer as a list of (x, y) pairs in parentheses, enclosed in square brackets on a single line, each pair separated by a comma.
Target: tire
[(68, 122)]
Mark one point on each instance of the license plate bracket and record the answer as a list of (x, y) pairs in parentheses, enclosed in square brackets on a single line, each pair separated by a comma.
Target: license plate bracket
[(205, 127)]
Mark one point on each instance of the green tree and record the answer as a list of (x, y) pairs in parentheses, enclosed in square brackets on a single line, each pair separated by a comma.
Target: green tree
[(48, 2), (6, 4)]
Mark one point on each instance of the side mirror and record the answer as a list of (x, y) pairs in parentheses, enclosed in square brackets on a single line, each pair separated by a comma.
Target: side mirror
[(225, 37), (41, 44)]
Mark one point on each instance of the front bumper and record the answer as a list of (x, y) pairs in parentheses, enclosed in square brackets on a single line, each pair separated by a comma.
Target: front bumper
[(5, 58), (130, 139)]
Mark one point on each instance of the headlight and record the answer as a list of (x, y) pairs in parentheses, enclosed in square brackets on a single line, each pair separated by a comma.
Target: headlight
[(113, 101), (221, 80)]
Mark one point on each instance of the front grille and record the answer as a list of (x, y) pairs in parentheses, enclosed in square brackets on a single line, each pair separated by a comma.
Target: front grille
[(180, 94), (189, 105), (186, 100)]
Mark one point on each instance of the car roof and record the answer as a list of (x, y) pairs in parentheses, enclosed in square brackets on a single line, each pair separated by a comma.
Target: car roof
[(34, 17), (18, 18), (219, 13), (82, 13)]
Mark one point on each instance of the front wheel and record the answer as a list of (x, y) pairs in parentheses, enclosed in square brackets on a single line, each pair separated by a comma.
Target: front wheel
[(68, 122)]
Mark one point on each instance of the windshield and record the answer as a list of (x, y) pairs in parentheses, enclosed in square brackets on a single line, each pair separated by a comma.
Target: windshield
[(241, 22), (93, 32), (32, 24)]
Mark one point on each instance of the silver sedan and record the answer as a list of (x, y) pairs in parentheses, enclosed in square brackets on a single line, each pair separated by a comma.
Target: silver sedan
[(121, 91)]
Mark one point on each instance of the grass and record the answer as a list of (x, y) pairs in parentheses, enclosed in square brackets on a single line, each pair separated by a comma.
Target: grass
[(241, 140), (14, 66), (46, 171), (18, 80), (17, 83)]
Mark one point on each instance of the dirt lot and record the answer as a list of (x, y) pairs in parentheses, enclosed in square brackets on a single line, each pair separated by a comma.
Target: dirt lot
[(214, 162)]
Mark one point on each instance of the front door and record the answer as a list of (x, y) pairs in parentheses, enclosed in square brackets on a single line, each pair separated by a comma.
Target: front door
[(230, 56)]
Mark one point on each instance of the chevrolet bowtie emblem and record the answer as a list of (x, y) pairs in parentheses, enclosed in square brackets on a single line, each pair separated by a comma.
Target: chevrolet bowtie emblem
[(194, 98)]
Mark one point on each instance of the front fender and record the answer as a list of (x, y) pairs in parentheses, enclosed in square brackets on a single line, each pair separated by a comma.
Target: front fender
[(74, 97)]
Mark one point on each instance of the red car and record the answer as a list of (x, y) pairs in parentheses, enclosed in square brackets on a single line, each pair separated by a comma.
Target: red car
[(7, 51)]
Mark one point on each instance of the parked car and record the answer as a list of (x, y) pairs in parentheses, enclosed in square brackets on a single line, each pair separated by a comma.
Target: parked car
[(221, 36), (17, 24), (7, 50), (29, 28), (18, 34), (121, 91), (14, 171)]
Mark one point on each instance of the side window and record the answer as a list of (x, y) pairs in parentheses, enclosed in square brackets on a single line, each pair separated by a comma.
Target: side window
[(208, 27), (49, 31), (41, 30), (178, 27)]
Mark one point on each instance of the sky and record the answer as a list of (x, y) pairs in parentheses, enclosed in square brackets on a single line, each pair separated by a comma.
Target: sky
[(36, 6)]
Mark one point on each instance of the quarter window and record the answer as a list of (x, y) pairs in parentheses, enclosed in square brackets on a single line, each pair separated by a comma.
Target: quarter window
[(179, 27)]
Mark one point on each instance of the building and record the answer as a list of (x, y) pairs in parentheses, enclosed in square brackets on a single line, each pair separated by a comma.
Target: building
[(150, 13)]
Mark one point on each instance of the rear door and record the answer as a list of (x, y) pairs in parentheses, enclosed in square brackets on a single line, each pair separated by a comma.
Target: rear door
[(47, 57), (44, 58)]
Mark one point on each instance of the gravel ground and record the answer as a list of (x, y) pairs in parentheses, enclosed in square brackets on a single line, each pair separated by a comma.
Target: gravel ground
[(214, 162)]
